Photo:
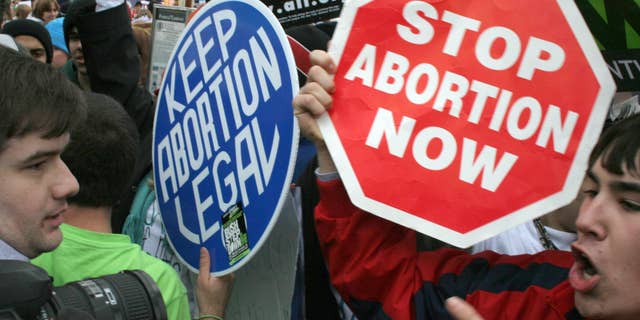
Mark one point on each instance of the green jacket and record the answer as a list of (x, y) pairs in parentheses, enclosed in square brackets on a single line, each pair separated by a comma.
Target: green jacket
[(86, 254)]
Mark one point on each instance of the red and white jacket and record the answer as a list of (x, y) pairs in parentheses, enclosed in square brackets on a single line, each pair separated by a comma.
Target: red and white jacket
[(377, 268)]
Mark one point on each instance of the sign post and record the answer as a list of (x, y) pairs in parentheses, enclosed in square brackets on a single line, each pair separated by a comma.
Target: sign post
[(225, 137), (168, 23), (460, 119)]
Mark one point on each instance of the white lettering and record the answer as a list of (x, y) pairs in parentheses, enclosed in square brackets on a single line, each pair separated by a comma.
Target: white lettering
[(533, 58), (202, 206), (391, 75), (363, 66), (510, 54), (412, 13), (459, 26), (384, 125), (453, 88), (553, 124), (224, 36), (447, 152), (185, 72), (470, 168)]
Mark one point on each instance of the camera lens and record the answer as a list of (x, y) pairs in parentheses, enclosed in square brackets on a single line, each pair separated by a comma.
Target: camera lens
[(129, 295)]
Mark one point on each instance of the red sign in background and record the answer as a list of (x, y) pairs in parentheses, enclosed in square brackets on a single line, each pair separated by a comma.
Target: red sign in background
[(500, 46)]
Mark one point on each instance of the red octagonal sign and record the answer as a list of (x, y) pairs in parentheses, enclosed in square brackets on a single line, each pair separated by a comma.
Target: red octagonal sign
[(462, 118)]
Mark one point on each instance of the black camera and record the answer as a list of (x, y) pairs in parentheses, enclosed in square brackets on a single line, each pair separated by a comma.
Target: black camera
[(26, 293)]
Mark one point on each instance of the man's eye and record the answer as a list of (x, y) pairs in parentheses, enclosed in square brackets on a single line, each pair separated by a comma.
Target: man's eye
[(591, 193), (36, 166), (630, 205), (37, 53)]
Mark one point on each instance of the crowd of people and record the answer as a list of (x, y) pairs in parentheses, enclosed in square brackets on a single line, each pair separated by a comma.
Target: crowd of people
[(75, 154), (78, 140)]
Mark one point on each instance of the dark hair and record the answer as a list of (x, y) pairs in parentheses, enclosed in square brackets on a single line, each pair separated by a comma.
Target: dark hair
[(619, 147), (34, 97), (102, 152)]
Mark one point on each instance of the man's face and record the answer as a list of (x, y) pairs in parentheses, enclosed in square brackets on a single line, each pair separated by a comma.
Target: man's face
[(34, 187), (75, 48), (35, 47), (606, 274)]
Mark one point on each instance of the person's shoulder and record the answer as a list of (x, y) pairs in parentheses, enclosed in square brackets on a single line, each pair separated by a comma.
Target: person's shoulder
[(173, 291), (162, 272)]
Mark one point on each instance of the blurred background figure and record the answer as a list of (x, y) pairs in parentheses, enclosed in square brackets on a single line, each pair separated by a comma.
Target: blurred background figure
[(136, 7), (44, 11), (22, 10), (6, 11), (143, 16)]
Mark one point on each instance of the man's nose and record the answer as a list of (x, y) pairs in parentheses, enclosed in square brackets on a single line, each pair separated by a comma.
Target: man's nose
[(66, 185)]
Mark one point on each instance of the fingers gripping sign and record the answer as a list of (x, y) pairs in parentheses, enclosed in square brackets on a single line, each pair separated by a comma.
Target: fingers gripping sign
[(461, 310), (314, 97)]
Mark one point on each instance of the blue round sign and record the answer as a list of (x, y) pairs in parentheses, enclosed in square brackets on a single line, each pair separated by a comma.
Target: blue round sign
[(225, 137)]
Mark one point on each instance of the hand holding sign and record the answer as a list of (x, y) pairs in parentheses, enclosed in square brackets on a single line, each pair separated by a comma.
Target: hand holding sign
[(212, 292), (314, 98)]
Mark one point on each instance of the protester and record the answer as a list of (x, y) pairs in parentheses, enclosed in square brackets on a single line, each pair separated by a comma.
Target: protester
[(314, 296), (44, 11), (375, 264), (101, 155), (32, 36), (104, 59), (39, 108)]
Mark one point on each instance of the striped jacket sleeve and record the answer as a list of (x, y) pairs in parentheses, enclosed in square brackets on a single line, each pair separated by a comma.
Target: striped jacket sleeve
[(377, 268)]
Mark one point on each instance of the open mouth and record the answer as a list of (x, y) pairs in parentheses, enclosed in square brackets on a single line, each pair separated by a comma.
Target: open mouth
[(587, 267), (584, 276)]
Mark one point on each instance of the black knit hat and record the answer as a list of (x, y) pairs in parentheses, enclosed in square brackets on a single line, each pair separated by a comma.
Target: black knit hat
[(27, 27)]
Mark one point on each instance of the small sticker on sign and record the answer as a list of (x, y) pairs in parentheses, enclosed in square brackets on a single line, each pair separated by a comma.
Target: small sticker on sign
[(234, 234)]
